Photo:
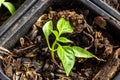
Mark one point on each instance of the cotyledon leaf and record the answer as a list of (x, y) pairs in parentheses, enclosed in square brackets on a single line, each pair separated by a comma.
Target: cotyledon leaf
[(47, 27), (10, 7)]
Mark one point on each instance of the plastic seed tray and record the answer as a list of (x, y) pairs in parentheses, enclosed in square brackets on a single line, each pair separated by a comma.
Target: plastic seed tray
[(19, 24)]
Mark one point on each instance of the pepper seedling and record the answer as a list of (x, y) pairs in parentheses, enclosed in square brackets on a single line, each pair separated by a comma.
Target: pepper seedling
[(8, 5), (65, 53)]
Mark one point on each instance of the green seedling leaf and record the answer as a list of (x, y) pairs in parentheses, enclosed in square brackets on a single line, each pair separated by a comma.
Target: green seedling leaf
[(64, 40), (64, 26), (55, 33), (47, 28), (1, 2), (66, 54), (67, 57), (10, 7), (80, 52)]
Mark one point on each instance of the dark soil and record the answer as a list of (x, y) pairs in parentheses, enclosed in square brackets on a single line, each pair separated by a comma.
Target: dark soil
[(31, 59), (114, 3)]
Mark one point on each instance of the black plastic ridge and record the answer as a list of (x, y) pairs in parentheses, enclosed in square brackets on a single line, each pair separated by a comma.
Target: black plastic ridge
[(117, 77), (24, 23), (96, 8), (3, 76), (107, 8), (19, 12)]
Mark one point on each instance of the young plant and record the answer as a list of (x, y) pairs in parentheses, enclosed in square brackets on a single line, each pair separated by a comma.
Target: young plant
[(8, 5), (65, 53)]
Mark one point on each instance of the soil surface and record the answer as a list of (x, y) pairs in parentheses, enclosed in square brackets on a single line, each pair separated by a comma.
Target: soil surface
[(114, 3), (31, 58)]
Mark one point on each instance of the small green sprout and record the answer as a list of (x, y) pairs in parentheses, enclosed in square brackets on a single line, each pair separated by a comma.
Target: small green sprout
[(65, 53), (8, 5)]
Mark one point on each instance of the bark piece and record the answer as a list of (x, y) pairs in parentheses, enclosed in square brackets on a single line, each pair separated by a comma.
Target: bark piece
[(108, 71)]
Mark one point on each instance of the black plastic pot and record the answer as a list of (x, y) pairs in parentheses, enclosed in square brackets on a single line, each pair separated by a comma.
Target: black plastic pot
[(30, 11)]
